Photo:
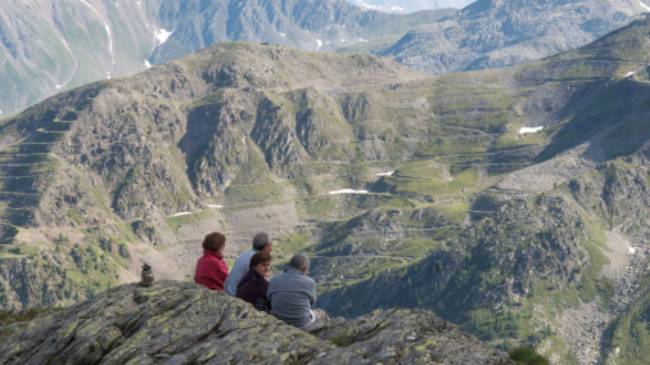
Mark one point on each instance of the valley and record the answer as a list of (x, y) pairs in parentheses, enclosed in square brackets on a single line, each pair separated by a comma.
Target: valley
[(512, 202)]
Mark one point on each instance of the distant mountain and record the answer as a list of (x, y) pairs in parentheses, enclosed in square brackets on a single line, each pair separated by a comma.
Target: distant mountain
[(513, 202), (305, 24), (49, 45), (408, 6), (498, 33)]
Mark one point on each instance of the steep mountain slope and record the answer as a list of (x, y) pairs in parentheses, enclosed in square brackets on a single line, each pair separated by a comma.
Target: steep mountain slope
[(48, 46), (498, 33), (183, 324), (512, 202)]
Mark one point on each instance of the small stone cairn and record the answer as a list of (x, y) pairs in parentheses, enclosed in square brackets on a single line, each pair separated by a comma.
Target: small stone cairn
[(147, 278)]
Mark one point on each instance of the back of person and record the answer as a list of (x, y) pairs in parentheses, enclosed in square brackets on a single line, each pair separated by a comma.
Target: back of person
[(239, 269), (211, 269), (292, 294), (253, 286)]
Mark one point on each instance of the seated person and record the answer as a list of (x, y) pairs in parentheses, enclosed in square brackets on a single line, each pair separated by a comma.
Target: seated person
[(253, 286), (292, 295), (261, 243), (211, 269)]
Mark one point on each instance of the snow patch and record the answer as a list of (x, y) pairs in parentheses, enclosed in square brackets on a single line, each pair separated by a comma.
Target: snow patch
[(362, 40), (644, 6), (180, 214), (631, 250), (283, 35), (214, 206), (0, 111), (629, 74), (74, 59), (162, 35), (389, 173), (58, 87), (383, 9), (147, 64), (319, 44), (530, 130), (348, 191)]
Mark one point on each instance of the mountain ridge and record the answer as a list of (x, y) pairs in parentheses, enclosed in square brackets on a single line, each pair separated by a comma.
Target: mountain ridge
[(386, 179)]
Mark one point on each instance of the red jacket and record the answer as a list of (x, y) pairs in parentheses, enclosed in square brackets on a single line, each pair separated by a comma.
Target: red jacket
[(211, 271)]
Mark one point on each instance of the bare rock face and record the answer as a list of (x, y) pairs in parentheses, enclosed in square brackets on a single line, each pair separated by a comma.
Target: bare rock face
[(179, 323)]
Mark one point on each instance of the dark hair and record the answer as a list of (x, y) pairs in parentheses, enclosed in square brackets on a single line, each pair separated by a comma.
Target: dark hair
[(260, 241), (214, 241), (259, 258), (299, 262)]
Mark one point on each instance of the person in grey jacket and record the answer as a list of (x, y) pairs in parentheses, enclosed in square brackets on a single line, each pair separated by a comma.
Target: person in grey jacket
[(261, 243), (293, 294)]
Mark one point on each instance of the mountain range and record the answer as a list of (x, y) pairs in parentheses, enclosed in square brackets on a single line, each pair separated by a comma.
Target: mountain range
[(512, 202), (49, 46), (498, 33)]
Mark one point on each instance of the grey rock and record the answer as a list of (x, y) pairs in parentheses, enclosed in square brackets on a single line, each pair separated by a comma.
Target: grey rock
[(181, 323)]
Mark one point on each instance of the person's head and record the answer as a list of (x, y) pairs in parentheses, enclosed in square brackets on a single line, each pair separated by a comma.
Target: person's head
[(261, 262), (300, 262), (262, 243), (214, 242)]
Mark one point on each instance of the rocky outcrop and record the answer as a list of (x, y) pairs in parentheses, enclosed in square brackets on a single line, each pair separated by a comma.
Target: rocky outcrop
[(512, 245), (180, 323)]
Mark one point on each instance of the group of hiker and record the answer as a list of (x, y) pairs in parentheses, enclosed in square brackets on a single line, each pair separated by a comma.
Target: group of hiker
[(289, 296)]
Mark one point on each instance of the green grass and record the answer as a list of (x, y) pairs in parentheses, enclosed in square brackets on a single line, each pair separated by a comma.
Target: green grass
[(285, 247), (527, 356)]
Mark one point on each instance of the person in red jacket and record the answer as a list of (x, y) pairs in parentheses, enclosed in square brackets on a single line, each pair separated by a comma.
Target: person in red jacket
[(211, 269)]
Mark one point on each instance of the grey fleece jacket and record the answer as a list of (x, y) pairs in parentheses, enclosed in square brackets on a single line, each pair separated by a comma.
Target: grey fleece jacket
[(292, 295), (239, 269)]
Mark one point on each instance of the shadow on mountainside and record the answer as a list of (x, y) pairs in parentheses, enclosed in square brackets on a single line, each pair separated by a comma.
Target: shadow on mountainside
[(613, 120)]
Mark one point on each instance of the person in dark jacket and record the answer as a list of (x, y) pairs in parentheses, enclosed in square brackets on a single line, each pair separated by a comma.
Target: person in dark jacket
[(261, 243), (211, 269), (293, 295), (253, 286)]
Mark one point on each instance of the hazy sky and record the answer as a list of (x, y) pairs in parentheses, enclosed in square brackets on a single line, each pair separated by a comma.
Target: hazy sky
[(410, 5)]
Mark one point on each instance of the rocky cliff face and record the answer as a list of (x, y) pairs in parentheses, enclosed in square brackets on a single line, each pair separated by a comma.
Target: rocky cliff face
[(183, 324)]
